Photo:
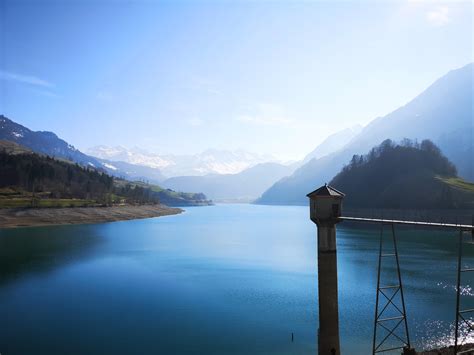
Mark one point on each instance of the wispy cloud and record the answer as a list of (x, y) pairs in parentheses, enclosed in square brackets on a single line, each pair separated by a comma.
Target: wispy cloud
[(25, 79), (47, 93), (266, 114), (439, 16), (436, 13)]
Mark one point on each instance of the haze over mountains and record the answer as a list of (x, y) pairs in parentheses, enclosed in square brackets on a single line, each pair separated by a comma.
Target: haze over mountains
[(254, 172), (211, 161), (245, 186), (333, 143), (442, 113), (250, 183), (221, 175)]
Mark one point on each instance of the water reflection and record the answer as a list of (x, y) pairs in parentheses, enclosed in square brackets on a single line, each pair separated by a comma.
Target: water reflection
[(26, 251)]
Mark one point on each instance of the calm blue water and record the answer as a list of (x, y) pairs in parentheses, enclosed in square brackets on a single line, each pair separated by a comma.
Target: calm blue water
[(227, 279)]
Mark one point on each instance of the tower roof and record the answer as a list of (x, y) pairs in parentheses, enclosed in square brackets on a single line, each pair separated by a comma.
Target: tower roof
[(326, 191)]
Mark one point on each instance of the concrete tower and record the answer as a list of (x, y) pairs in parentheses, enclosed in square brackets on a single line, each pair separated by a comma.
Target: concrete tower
[(325, 210)]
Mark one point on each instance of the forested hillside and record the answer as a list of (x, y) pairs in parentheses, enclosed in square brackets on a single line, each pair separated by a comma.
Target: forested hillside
[(405, 175), (32, 180)]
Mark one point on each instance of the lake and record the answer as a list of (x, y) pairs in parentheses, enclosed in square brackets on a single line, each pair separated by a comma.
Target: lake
[(225, 279)]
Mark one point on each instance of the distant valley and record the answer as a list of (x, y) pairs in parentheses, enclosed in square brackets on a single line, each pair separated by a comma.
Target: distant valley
[(245, 186)]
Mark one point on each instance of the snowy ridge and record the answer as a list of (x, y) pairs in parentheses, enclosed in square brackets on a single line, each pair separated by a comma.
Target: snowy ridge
[(211, 161)]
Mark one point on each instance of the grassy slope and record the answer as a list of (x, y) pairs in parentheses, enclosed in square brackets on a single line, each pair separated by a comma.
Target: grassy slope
[(18, 198), (170, 197), (458, 183), (13, 148)]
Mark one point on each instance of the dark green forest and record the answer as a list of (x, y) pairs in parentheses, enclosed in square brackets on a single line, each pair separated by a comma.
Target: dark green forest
[(45, 177), (404, 175)]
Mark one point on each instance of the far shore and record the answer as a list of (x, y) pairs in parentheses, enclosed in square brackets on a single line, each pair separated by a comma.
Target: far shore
[(34, 217)]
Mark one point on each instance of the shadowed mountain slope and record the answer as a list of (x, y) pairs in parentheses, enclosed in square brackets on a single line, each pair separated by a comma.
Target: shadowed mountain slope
[(409, 176)]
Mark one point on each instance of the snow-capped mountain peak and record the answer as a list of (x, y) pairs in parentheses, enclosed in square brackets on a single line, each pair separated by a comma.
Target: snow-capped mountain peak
[(211, 161), (133, 156)]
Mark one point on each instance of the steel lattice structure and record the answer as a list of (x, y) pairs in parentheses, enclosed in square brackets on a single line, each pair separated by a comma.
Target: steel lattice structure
[(390, 324)]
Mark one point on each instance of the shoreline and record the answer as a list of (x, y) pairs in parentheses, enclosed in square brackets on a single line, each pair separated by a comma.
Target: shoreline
[(37, 217)]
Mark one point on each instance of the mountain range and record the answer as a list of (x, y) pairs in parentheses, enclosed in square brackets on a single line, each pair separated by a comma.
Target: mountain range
[(43, 142), (250, 180), (50, 144), (442, 113), (247, 180), (211, 161), (221, 175)]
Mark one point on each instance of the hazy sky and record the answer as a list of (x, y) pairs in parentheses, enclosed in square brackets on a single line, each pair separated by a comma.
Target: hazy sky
[(180, 77)]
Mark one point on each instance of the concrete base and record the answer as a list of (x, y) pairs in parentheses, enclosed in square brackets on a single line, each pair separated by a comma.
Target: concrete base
[(328, 340)]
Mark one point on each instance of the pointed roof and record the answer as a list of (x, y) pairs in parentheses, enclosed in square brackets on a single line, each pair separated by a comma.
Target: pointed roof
[(326, 191)]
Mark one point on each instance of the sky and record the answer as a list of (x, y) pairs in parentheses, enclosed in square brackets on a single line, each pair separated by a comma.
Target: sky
[(179, 77)]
